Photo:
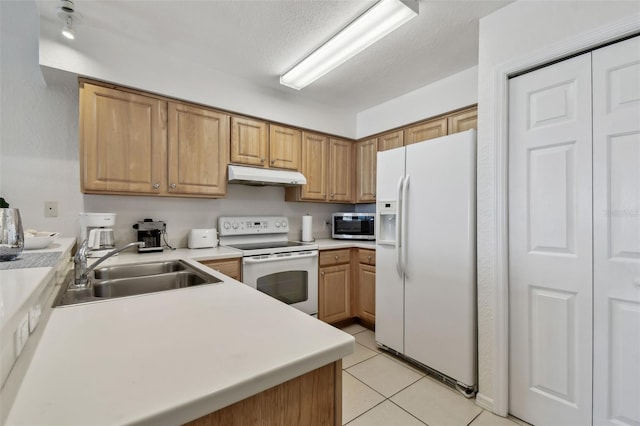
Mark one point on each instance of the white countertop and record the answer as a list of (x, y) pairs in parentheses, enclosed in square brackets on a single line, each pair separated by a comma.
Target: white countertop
[(168, 357)]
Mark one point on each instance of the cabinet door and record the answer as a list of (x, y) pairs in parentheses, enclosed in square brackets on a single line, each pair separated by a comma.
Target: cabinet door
[(391, 140), (367, 292), (341, 171), (123, 141), (198, 153), (230, 267), (284, 147), (334, 302), (249, 141), (463, 120), (366, 156), (315, 160), (428, 130)]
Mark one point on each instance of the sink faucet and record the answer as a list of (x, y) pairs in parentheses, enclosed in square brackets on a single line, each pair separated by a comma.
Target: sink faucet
[(80, 262)]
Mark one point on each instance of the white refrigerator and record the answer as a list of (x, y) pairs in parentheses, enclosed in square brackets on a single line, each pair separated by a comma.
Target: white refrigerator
[(426, 255)]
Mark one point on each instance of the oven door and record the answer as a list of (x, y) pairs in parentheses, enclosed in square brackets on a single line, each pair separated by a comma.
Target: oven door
[(289, 277)]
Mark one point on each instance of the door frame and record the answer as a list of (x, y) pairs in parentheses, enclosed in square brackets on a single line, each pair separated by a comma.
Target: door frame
[(499, 133)]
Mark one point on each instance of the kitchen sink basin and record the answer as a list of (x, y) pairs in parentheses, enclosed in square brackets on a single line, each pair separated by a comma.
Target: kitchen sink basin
[(138, 270), (132, 280), (121, 287)]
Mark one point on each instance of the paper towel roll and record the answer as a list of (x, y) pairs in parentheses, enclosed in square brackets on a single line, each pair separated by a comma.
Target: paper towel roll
[(307, 228)]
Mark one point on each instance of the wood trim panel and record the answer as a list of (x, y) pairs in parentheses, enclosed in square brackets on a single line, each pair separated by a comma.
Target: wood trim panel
[(313, 399)]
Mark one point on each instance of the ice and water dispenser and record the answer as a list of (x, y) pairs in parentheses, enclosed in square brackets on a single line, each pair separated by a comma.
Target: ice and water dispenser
[(387, 213)]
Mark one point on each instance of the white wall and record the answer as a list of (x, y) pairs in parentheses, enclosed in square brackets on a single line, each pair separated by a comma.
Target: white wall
[(39, 154), (113, 58), (453, 92), (510, 34)]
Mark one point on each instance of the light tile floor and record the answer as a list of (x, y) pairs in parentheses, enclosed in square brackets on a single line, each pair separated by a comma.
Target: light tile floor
[(380, 389)]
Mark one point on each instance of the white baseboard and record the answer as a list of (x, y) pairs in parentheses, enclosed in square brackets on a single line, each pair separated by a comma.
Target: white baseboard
[(484, 402)]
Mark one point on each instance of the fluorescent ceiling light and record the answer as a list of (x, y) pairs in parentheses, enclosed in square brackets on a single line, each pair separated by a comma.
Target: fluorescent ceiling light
[(384, 17)]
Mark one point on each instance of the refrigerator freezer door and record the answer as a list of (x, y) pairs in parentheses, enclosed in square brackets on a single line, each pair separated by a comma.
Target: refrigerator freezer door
[(440, 307), (389, 282)]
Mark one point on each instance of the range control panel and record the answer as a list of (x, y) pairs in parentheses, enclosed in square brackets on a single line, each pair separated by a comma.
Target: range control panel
[(252, 225)]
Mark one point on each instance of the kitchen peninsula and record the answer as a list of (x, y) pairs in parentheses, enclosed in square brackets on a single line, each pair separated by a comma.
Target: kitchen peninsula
[(175, 356)]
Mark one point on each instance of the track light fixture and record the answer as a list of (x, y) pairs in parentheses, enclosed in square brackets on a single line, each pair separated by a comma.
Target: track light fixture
[(68, 15), (378, 21)]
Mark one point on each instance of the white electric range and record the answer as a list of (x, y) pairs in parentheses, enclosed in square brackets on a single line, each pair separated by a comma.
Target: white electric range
[(271, 263)]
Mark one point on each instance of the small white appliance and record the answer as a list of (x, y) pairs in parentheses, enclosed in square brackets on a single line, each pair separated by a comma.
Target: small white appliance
[(202, 238), (283, 269), (426, 258), (97, 229)]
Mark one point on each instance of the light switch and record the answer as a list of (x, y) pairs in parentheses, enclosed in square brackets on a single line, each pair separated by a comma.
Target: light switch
[(50, 209)]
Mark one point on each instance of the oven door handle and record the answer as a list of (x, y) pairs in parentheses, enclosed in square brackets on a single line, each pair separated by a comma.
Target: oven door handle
[(278, 258)]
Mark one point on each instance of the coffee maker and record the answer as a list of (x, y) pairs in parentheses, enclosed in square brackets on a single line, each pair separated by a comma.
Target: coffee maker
[(97, 229), (150, 232)]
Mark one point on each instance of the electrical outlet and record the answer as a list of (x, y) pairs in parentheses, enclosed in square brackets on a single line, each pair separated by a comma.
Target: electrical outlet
[(50, 209), (34, 317)]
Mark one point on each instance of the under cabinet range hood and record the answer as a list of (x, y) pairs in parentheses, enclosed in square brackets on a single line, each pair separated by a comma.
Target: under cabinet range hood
[(261, 177)]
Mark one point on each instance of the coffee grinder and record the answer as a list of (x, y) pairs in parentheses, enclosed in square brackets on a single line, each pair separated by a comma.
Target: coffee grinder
[(97, 229), (150, 232)]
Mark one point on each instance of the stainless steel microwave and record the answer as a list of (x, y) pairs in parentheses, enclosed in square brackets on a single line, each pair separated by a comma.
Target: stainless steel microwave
[(353, 226)]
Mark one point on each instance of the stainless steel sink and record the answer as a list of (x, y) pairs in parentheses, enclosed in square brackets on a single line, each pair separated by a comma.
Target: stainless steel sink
[(137, 270), (136, 279)]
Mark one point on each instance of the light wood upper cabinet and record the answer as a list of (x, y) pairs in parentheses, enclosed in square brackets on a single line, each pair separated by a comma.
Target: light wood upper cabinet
[(315, 167), (428, 130), (285, 145), (198, 150), (366, 161), (463, 120), (123, 141), (249, 142), (391, 140), (341, 177)]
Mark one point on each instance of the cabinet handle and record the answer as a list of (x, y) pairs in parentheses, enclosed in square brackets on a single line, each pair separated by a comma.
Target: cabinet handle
[(324, 194), (172, 186), (156, 185), (332, 195), (336, 257), (262, 160), (273, 161), (322, 273), (369, 257)]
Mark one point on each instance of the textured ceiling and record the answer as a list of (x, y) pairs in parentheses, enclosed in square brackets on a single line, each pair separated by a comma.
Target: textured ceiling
[(259, 40)]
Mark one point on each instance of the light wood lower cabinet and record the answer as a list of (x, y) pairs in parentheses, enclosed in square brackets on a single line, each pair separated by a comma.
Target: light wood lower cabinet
[(230, 267), (313, 399), (334, 285), (347, 285), (366, 305)]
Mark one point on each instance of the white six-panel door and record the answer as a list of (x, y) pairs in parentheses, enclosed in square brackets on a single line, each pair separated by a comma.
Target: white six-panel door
[(550, 244), (616, 234)]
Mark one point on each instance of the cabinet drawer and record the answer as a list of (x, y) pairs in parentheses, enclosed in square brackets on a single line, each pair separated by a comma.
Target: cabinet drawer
[(335, 257), (367, 257), (229, 267)]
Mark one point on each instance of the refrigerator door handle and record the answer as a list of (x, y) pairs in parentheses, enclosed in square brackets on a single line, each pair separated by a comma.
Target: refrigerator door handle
[(398, 229), (404, 236)]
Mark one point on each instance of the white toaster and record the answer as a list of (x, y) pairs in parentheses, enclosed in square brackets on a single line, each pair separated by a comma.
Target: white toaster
[(202, 238)]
